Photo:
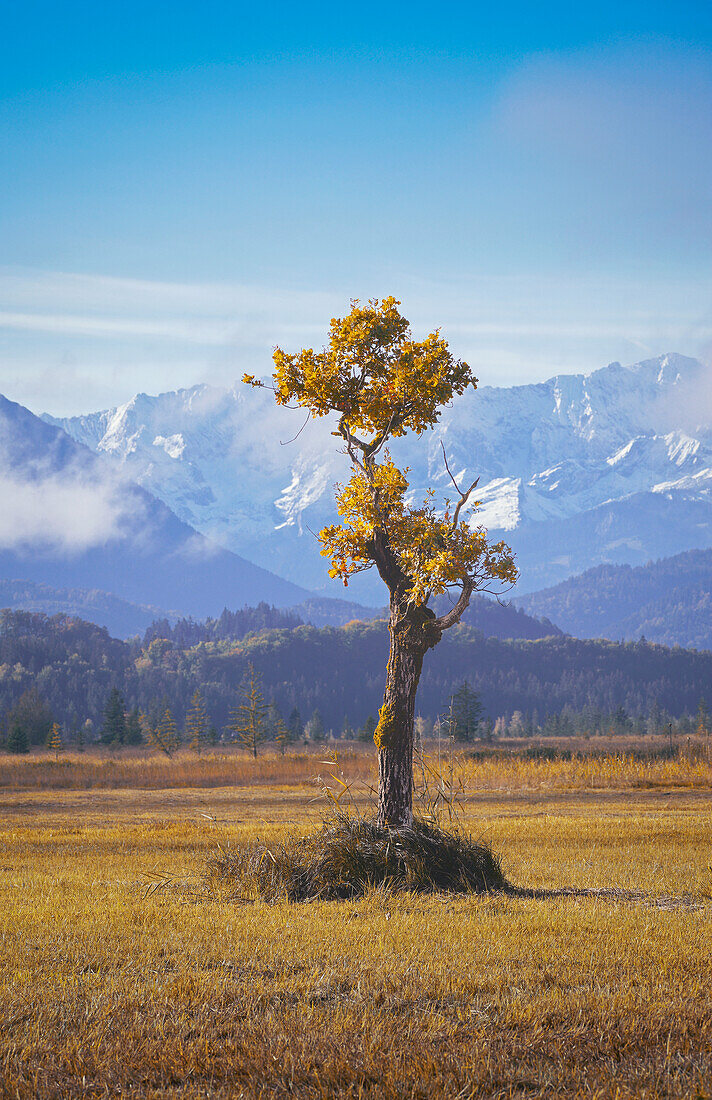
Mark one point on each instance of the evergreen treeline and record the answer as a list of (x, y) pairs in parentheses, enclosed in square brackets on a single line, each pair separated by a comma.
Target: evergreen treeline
[(333, 679), (230, 626)]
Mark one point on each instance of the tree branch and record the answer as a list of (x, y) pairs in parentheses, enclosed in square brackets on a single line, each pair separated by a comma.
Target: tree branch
[(464, 497), (455, 614)]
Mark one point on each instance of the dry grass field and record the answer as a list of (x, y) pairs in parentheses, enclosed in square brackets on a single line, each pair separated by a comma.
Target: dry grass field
[(597, 983)]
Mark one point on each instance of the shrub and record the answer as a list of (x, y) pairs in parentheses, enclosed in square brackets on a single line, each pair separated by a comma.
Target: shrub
[(348, 856)]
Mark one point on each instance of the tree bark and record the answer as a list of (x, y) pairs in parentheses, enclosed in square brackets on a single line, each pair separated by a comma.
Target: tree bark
[(412, 633)]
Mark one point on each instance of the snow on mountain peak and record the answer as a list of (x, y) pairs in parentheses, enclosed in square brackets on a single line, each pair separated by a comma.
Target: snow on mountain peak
[(239, 469)]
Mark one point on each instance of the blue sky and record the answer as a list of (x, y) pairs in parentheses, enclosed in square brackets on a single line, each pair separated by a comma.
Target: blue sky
[(185, 185)]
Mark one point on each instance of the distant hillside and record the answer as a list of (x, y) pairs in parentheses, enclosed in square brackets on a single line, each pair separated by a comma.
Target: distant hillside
[(495, 620), (340, 671), (121, 618), (668, 601)]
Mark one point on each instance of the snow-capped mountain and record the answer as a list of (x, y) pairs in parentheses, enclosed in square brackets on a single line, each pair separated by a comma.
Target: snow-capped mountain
[(69, 519), (614, 466)]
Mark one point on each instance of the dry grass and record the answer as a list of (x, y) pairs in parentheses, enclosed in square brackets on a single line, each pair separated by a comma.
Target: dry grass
[(692, 768), (350, 856), (105, 991)]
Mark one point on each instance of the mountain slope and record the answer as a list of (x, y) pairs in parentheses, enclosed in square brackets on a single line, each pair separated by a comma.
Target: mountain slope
[(613, 466), (668, 601), (121, 618), (70, 520)]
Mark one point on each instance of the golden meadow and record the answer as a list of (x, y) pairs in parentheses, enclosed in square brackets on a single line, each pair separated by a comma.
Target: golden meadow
[(127, 970)]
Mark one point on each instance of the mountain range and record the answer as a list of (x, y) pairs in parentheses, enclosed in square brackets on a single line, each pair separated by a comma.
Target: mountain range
[(78, 538), (165, 503), (667, 601), (612, 466), (69, 519)]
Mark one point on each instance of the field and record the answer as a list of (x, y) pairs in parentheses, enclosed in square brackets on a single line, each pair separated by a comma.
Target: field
[(596, 983)]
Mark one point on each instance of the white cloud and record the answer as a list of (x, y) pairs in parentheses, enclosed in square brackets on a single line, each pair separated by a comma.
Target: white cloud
[(66, 513)]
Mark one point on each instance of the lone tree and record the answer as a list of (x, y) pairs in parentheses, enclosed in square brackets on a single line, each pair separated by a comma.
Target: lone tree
[(247, 719), (381, 383)]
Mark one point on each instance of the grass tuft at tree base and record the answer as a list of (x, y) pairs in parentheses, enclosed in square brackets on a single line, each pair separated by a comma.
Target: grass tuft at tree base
[(347, 857)]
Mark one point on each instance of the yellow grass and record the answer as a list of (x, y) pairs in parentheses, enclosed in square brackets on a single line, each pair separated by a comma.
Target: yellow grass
[(107, 992), (232, 767)]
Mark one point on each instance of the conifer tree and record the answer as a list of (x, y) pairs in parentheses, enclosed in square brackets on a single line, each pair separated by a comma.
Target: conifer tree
[(282, 735), (114, 728), (466, 713), (196, 723), (54, 741), (165, 734), (380, 383), (17, 738), (367, 729), (247, 719), (317, 733), (703, 719), (296, 726), (134, 733)]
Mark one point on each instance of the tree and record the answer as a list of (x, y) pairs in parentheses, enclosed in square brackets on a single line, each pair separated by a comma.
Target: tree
[(134, 730), (247, 720), (33, 716), (296, 726), (114, 728), (367, 729), (315, 727), (196, 722), (282, 735), (54, 741), (381, 384), (703, 719), (466, 710), (17, 741), (165, 733)]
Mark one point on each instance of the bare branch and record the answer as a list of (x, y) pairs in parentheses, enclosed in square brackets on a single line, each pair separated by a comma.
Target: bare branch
[(464, 497), (286, 442)]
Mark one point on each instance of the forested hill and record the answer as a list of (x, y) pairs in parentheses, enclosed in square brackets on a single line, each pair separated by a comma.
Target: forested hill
[(667, 601), (493, 619), (340, 671)]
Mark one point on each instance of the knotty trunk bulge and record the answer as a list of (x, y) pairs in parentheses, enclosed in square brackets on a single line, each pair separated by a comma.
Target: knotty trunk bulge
[(413, 632)]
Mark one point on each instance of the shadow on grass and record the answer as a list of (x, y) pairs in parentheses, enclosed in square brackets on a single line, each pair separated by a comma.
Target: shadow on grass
[(611, 893)]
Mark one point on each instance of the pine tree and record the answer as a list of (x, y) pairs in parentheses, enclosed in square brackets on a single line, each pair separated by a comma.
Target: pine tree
[(165, 734), (367, 729), (282, 735), (54, 741), (247, 719), (17, 738), (196, 723), (34, 715), (317, 733), (273, 717), (703, 719), (114, 728), (466, 713), (296, 726), (134, 733)]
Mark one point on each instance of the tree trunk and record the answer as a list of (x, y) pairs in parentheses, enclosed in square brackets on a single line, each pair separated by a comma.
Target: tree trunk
[(411, 636)]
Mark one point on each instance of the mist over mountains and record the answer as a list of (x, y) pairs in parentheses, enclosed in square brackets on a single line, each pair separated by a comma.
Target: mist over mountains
[(69, 519), (580, 470)]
